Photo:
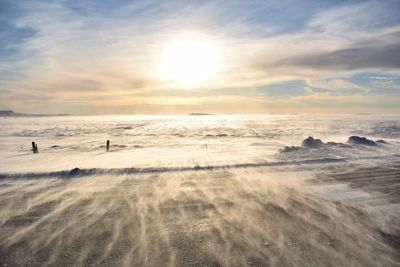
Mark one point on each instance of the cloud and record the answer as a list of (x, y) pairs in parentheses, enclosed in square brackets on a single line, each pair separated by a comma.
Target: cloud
[(80, 53), (332, 84), (384, 78), (377, 56), (340, 41), (355, 17)]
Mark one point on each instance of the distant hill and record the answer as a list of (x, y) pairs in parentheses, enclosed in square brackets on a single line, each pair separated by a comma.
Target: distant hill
[(7, 113), (199, 114), (11, 113)]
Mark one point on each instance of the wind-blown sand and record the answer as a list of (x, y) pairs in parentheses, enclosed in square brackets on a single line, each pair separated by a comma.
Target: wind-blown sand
[(200, 191), (236, 217)]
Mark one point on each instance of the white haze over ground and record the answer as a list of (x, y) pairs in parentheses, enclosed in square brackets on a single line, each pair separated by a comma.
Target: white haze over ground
[(205, 191), (143, 141)]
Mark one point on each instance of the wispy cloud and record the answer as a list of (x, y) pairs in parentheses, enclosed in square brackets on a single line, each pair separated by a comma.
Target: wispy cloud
[(77, 52), (374, 55)]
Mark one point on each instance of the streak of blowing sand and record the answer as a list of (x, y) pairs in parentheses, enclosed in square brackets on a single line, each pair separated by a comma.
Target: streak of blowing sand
[(212, 218)]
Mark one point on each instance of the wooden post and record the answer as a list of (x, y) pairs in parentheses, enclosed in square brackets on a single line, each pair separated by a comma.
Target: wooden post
[(34, 148), (108, 145)]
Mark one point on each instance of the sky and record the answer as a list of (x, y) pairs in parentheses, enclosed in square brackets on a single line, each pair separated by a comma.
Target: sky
[(104, 57)]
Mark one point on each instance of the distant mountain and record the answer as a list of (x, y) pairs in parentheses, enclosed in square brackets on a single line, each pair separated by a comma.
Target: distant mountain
[(6, 113), (199, 114), (11, 113)]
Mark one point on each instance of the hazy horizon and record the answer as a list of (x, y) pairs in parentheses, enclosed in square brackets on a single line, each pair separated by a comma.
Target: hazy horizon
[(195, 113)]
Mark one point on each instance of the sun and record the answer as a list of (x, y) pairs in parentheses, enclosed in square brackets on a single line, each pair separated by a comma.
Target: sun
[(189, 61)]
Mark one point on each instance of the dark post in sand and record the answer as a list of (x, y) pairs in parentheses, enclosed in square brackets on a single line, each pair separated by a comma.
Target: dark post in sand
[(108, 145), (35, 148)]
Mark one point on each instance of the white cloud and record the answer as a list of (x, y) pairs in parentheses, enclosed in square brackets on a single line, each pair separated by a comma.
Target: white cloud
[(83, 57), (332, 84)]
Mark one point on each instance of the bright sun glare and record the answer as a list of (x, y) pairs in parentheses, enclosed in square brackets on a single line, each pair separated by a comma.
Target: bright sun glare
[(189, 61)]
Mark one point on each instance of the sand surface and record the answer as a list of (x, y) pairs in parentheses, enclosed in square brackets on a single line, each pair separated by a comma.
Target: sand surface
[(340, 215)]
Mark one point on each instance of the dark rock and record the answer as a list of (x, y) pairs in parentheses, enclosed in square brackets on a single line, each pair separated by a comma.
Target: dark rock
[(74, 171), (381, 141), (357, 140), (287, 149), (310, 142), (337, 144)]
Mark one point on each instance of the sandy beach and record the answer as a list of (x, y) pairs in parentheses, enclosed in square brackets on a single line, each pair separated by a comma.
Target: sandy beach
[(200, 191), (342, 216)]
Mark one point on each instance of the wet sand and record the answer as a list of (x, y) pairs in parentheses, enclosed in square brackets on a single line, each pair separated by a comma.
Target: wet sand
[(244, 217)]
